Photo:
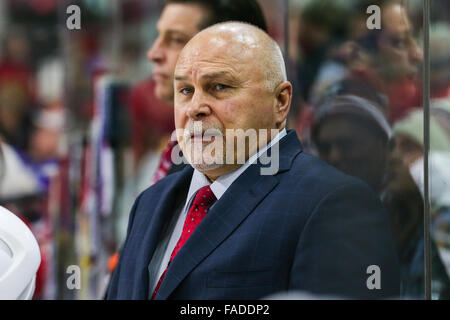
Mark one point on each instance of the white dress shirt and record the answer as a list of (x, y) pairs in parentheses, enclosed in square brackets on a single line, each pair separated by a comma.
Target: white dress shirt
[(162, 254)]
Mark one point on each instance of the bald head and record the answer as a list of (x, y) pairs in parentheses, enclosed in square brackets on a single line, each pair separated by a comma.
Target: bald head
[(230, 78), (241, 43)]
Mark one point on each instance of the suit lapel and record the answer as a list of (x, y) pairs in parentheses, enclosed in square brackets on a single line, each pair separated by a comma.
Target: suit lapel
[(163, 213), (235, 205)]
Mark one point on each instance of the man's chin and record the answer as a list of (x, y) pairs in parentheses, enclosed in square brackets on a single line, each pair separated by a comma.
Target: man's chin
[(212, 171), (207, 168)]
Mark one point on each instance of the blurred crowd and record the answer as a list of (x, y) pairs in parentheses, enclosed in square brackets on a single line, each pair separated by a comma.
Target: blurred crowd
[(363, 113), (83, 117)]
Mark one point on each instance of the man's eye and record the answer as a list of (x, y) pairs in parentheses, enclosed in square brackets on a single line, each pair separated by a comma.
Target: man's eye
[(186, 91), (178, 41), (220, 87)]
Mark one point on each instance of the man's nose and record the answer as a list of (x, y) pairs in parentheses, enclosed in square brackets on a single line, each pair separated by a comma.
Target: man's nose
[(156, 53), (199, 108)]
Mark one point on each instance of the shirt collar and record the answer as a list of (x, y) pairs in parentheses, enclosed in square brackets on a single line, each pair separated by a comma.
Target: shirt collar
[(221, 184)]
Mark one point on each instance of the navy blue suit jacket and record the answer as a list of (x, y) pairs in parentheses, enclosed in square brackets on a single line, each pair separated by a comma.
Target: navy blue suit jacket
[(309, 227)]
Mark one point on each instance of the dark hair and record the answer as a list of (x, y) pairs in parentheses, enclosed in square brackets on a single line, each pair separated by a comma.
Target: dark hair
[(247, 11), (327, 14)]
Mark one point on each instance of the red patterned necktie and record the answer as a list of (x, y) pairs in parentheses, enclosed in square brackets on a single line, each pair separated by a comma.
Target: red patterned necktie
[(165, 162), (203, 200)]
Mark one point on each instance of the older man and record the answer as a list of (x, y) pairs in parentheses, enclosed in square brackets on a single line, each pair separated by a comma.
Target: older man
[(179, 22), (224, 230)]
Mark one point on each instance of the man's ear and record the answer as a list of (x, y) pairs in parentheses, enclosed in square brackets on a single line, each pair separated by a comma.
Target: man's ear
[(283, 102)]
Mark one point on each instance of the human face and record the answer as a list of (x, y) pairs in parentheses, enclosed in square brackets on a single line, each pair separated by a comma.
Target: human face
[(222, 85), (347, 144), (176, 26), (399, 53)]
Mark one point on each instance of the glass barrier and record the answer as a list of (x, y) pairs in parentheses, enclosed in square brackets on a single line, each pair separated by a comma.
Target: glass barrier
[(86, 113), (359, 72), (438, 149)]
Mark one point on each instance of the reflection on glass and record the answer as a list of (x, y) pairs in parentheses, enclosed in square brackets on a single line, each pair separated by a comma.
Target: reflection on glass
[(383, 69), (364, 110), (357, 105), (406, 191), (439, 152)]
